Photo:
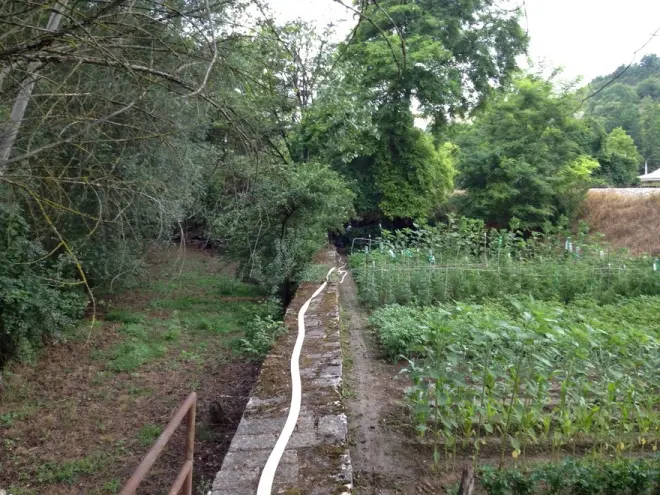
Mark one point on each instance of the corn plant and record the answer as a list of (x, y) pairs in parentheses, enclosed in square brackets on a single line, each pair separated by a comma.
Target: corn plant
[(530, 374), (465, 261)]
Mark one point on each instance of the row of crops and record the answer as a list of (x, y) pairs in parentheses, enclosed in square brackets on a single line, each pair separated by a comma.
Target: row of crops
[(520, 348), (465, 261)]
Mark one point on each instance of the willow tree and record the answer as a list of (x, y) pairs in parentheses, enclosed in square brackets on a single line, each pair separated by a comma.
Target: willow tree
[(103, 124)]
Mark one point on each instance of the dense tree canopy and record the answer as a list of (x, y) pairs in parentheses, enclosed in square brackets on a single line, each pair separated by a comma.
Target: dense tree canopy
[(124, 123), (619, 159), (526, 156), (444, 58), (630, 98)]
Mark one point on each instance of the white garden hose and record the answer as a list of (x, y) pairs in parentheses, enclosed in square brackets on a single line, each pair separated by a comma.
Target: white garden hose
[(268, 474)]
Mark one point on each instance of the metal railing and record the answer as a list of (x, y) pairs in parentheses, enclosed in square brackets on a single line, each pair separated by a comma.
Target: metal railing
[(183, 483)]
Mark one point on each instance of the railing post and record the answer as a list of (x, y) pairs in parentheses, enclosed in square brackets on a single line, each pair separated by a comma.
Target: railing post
[(190, 446), (183, 482)]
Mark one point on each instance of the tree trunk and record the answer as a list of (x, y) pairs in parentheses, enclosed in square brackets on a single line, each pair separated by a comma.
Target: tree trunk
[(9, 130), (467, 482)]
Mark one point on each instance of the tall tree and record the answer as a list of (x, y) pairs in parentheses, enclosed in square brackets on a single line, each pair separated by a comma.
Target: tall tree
[(526, 156), (135, 117), (619, 159), (626, 99), (442, 58), (650, 131)]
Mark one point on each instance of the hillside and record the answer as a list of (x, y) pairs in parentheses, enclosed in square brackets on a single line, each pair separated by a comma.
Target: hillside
[(630, 98)]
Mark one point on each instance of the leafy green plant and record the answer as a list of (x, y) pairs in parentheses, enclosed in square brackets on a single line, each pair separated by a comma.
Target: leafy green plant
[(260, 335), (149, 433), (531, 373), (37, 298), (467, 262), (587, 476)]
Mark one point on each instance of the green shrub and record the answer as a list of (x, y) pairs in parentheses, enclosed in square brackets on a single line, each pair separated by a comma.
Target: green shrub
[(280, 222), (403, 330), (37, 299), (260, 335)]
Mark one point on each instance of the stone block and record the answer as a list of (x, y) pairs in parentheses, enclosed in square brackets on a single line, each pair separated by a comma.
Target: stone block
[(333, 429)]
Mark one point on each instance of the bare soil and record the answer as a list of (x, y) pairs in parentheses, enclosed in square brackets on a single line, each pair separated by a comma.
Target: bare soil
[(386, 457), (68, 425)]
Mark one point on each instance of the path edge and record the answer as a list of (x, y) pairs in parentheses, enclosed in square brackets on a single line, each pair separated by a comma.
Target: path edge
[(317, 458)]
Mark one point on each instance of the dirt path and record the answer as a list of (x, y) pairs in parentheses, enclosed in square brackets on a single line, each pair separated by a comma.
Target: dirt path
[(386, 460)]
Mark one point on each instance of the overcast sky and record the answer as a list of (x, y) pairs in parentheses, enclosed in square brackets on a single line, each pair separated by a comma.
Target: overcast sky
[(586, 37)]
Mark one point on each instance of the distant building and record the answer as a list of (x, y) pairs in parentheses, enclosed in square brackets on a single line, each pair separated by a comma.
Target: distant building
[(652, 179)]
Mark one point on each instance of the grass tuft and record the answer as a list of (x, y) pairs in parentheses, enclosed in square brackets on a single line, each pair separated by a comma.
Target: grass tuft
[(130, 355), (69, 471), (123, 316), (149, 433)]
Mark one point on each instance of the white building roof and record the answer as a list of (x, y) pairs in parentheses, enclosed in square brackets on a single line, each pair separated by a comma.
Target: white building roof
[(651, 177)]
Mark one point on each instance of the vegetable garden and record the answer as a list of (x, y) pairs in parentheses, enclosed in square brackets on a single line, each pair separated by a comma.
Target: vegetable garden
[(523, 348)]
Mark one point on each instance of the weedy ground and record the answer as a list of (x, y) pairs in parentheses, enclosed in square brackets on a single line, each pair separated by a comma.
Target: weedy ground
[(81, 417)]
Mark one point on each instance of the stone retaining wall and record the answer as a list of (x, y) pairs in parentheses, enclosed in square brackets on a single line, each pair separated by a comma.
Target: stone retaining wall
[(317, 459)]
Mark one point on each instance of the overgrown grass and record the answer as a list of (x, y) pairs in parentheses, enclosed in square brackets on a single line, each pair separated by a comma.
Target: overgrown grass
[(70, 471), (151, 346), (123, 316), (216, 285), (624, 219)]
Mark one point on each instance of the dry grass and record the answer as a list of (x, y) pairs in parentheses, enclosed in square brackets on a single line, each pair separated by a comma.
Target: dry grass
[(631, 221)]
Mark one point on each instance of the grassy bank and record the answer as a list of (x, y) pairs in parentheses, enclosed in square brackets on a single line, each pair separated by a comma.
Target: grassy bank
[(83, 415)]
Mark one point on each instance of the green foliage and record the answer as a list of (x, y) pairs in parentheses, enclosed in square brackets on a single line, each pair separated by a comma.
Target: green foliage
[(69, 471), (413, 177), (260, 336), (586, 477), (37, 299), (525, 157), (540, 375), (123, 316), (149, 433), (112, 486), (133, 353), (436, 57), (619, 159), (425, 48), (650, 130), (282, 220), (632, 103)]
